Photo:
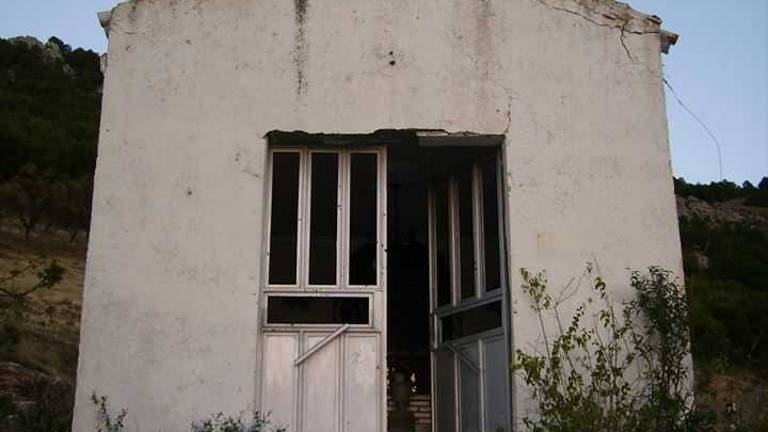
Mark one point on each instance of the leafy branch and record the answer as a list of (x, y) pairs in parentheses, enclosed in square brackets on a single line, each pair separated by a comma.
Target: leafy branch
[(611, 367), (47, 275)]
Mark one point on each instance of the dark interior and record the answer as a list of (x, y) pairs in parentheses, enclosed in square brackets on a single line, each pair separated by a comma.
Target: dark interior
[(411, 167)]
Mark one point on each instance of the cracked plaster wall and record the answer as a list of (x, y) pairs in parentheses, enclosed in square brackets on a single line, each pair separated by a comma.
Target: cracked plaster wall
[(170, 316)]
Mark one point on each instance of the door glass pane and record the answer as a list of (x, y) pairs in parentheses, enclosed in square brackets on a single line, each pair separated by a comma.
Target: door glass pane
[(469, 383), (362, 219), (442, 245), (491, 226), (445, 391), (323, 211), (466, 245), (317, 310), (471, 321), (495, 367), (284, 218)]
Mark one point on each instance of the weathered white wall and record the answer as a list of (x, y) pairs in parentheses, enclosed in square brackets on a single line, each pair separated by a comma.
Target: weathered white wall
[(174, 268)]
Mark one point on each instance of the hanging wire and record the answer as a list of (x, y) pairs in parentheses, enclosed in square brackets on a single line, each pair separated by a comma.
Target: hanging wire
[(703, 125)]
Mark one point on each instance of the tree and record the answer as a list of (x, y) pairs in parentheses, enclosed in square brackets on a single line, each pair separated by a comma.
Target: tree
[(71, 206), (32, 191)]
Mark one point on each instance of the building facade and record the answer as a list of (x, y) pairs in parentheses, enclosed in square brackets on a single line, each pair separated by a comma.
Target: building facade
[(296, 201)]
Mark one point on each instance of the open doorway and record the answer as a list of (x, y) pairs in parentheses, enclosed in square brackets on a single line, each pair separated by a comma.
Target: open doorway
[(385, 284), (446, 338)]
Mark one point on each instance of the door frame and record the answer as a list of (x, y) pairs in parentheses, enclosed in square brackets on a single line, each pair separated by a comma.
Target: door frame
[(457, 304), (377, 293)]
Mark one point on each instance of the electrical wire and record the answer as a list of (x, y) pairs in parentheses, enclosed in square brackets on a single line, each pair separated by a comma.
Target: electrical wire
[(703, 125)]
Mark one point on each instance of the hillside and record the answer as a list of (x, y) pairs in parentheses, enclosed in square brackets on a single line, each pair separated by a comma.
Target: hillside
[(725, 256), (50, 98)]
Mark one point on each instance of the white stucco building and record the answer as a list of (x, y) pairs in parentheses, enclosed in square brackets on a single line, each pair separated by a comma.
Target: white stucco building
[(291, 193)]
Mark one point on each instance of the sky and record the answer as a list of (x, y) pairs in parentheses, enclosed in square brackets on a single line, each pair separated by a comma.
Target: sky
[(718, 69)]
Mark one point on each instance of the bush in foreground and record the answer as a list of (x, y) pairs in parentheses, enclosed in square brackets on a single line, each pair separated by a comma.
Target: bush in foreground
[(612, 368)]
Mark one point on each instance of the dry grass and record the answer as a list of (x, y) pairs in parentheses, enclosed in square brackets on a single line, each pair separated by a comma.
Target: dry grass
[(51, 323)]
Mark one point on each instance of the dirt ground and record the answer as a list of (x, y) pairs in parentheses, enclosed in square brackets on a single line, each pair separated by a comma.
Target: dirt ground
[(50, 325)]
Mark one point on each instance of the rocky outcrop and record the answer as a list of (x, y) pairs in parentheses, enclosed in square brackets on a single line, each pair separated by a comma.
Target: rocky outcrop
[(51, 51), (733, 211)]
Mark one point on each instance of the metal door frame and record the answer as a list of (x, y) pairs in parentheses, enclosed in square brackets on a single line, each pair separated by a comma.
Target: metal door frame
[(377, 293), (480, 298)]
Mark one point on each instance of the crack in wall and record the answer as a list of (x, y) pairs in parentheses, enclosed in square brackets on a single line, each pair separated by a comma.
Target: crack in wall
[(622, 25), (622, 35), (510, 98)]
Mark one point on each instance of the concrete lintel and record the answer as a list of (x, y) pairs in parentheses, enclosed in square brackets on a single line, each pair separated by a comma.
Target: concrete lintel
[(421, 137), (439, 138)]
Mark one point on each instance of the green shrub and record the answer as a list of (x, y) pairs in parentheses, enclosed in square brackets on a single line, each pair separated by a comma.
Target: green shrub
[(215, 423), (221, 423), (106, 422), (609, 368), (728, 297)]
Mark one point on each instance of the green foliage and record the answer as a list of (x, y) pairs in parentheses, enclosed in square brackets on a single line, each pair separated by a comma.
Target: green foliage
[(728, 295), (215, 423), (49, 113), (49, 120), (106, 422), (612, 369), (725, 190), (47, 274), (34, 198), (221, 423), (15, 288)]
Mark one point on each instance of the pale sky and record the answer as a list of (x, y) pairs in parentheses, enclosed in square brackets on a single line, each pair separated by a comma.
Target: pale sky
[(719, 69)]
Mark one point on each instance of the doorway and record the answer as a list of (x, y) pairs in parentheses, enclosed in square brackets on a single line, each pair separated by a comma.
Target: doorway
[(447, 318), (384, 301)]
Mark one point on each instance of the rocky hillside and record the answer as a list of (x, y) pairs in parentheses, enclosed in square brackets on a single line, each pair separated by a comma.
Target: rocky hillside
[(734, 211), (725, 255)]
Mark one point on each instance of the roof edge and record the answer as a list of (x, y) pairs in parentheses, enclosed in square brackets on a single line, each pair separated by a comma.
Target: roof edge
[(105, 19)]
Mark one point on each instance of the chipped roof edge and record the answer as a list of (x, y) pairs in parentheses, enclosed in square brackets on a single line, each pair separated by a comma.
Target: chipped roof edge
[(105, 18), (668, 39), (610, 11)]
